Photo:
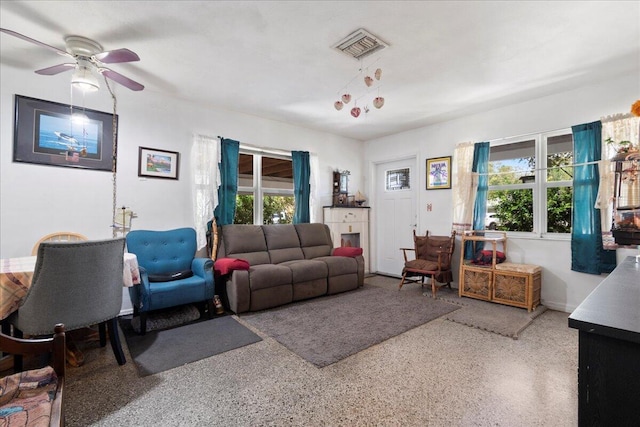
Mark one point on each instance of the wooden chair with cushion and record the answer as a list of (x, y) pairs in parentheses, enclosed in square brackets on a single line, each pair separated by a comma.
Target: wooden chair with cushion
[(432, 259), (20, 402), (60, 236)]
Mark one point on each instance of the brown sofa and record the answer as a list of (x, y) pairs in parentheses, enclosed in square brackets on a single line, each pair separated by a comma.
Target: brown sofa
[(286, 263)]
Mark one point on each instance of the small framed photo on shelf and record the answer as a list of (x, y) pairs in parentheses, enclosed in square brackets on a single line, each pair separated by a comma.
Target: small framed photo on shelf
[(439, 173), (156, 163)]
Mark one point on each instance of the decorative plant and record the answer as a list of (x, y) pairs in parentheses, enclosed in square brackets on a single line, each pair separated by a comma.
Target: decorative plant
[(621, 147)]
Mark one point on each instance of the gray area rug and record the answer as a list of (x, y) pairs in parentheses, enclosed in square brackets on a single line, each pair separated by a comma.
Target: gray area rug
[(328, 329), (159, 351), (489, 316)]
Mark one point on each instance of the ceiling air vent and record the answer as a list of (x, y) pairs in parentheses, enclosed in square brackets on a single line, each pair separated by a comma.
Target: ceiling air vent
[(360, 43)]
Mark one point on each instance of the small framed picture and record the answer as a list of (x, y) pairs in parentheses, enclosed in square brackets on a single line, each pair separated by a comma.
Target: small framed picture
[(439, 173), (156, 163)]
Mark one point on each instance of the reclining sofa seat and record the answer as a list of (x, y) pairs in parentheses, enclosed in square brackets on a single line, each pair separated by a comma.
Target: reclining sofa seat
[(287, 263)]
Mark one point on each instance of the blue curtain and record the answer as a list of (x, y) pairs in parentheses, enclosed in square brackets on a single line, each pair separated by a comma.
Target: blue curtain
[(229, 155), (587, 253), (301, 186), (481, 166)]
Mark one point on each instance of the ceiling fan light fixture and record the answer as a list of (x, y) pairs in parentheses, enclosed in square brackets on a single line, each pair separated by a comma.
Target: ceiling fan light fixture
[(84, 79)]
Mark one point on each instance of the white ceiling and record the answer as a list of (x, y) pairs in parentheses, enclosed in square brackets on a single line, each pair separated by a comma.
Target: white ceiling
[(274, 59)]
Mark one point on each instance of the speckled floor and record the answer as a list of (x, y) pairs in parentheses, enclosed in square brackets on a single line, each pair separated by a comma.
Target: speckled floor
[(438, 374)]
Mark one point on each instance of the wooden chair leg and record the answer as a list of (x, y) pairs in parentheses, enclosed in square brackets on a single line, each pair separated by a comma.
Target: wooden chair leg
[(404, 275), (434, 287), (17, 358), (114, 337)]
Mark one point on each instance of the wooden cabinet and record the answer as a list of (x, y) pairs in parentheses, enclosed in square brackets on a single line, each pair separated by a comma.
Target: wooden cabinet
[(349, 227), (609, 350), (507, 283), (476, 281)]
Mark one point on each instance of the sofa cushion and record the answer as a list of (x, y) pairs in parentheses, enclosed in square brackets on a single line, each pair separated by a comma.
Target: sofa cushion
[(246, 242), (269, 276), (346, 251), (282, 242), (339, 265), (315, 240), (27, 397), (306, 270)]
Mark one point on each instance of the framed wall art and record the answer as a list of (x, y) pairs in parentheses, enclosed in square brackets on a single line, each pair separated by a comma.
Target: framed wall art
[(439, 173), (156, 163), (50, 133)]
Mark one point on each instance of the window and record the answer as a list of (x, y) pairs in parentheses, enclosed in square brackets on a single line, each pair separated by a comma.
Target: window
[(530, 184), (265, 197)]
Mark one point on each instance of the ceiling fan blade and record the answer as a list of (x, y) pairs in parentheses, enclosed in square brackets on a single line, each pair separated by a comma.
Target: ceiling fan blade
[(30, 40), (56, 69), (124, 81), (118, 55)]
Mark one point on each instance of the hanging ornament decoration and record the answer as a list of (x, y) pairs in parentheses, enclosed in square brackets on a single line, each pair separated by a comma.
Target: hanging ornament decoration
[(369, 82)]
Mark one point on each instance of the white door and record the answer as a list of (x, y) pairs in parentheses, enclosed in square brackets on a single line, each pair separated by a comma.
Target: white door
[(395, 211)]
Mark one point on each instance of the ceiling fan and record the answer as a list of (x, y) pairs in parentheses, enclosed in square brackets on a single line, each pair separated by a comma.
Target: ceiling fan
[(88, 57)]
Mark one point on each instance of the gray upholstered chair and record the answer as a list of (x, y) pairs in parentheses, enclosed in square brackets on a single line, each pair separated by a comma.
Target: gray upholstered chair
[(78, 284)]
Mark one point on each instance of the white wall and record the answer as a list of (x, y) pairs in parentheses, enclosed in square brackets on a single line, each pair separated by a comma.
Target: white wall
[(562, 289), (36, 199)]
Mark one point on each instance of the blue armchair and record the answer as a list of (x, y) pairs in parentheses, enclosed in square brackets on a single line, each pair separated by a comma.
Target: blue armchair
[(170, 275)]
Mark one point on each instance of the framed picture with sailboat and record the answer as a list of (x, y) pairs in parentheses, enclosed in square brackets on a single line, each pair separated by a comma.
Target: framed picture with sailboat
[(55, 134)]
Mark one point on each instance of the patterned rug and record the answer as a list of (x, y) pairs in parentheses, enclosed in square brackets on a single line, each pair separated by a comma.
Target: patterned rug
[(489, 316), (168, 318)]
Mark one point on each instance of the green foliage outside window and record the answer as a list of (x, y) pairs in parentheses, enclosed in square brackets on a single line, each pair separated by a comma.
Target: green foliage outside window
[(244, 209), (514, 208), (276, 209)]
